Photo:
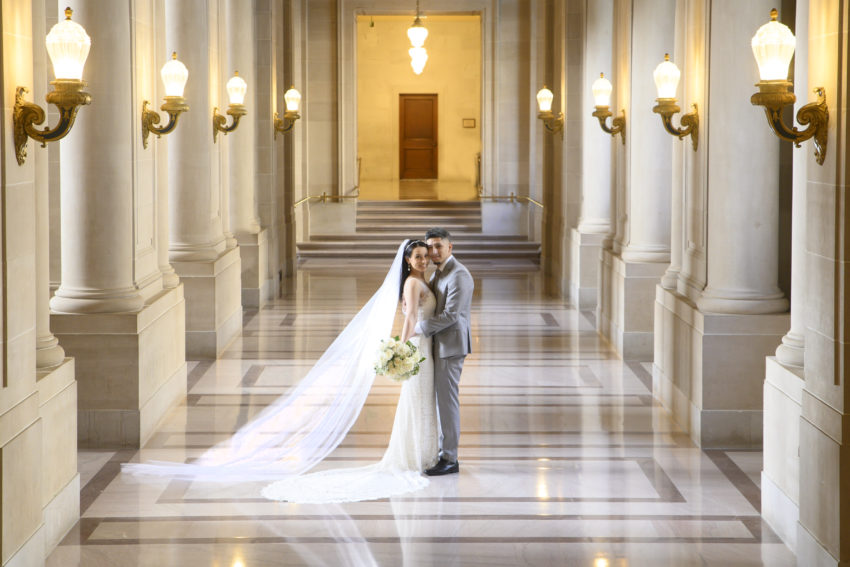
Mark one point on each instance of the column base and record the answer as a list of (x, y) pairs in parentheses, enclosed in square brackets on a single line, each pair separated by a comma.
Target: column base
[(253, 253), (61, 514), (780, 486), (213, 303), (811, 553), (624, 311), (583, 284), (130, 367), (60, 482), (708, 369)]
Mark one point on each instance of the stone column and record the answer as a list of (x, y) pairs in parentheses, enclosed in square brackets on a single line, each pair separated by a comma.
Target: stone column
[(110, 312), (209, 269), (242, 155), (48, 353), (649, 174), (595, 220), (792, 350), (641, 248), (97, 178), (743, 199), (784, 377), (823, 534)]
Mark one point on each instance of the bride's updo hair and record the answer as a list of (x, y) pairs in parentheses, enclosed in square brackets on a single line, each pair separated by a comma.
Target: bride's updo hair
[(405, 267)]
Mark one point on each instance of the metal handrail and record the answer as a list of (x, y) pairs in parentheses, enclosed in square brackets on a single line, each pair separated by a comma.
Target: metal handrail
[(324, 198), (512, 198)]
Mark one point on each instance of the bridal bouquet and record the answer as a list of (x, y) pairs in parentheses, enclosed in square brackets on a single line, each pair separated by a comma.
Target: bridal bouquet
[(398, 360)]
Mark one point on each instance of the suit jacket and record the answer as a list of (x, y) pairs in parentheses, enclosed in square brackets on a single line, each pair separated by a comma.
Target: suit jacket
[(450, 324)]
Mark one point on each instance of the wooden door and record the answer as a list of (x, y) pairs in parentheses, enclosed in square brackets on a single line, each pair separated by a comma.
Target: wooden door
[(417, 136)]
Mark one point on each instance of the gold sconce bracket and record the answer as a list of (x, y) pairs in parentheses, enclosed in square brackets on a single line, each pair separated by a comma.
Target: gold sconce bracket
[(618, 124), (553, 123), (776, 95), (173, 105), (285, 124), (237, 111), (667, 107), (67, 95)]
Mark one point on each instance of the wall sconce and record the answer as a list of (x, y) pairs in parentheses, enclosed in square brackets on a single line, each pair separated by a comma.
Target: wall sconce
[(174, 75), (293, 101), (236, 89), (773, 46), (68, 46), (666, 77), (544, 104), (601, 89)]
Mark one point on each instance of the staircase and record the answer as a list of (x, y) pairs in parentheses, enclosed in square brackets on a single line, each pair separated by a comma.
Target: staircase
[(383, 225)]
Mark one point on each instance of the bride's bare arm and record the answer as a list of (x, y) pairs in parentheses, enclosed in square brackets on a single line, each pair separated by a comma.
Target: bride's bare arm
[(411, 303)]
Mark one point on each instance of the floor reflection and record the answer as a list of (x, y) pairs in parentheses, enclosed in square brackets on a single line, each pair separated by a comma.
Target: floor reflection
[(566, 459)]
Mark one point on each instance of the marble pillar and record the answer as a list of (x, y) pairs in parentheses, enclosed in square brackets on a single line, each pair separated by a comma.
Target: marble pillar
[(641, 250), (784, 376), (823, 535), (594, 222), (208, 268), (111, 312), (242, 155), (709, 355)]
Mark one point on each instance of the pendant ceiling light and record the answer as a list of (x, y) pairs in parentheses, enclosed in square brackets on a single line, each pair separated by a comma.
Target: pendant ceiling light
[(417, 33)]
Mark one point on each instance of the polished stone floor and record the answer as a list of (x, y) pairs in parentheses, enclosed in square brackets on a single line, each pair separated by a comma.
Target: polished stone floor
[(565, 457)]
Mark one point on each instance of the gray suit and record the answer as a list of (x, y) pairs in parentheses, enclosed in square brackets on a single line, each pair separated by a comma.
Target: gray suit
[(449, 328)]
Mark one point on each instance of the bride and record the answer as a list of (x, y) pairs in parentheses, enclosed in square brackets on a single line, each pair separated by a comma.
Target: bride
[(301, 428)]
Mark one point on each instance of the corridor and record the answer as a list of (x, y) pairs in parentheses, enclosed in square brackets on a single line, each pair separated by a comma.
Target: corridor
[(566, 459)]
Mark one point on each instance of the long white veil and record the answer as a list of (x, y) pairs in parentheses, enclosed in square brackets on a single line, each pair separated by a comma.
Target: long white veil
[(302, 427)]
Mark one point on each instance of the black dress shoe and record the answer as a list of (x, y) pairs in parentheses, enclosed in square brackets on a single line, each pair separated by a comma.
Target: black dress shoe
[(443, 467)]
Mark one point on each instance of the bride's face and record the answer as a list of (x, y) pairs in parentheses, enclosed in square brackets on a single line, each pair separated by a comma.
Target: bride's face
[(418, 259)]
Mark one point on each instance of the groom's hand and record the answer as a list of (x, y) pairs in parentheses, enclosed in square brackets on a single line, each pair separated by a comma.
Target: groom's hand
[(417, 330)]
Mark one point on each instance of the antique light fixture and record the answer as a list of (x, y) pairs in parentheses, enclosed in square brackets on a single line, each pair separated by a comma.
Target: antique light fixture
[(773, 47), (174, 75), (293, 101), (544, 104), (666, 77), (601, 89), (236, 89), (417, 33), (68, 47)]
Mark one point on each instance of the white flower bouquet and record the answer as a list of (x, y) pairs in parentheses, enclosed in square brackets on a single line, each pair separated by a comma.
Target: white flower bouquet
[(398, 360)]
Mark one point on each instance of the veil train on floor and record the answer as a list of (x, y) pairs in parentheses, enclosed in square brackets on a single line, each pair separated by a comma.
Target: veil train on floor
[(301, 428)]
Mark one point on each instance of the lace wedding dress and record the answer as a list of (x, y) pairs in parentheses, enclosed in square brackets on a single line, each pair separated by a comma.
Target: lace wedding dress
[(413, 444)]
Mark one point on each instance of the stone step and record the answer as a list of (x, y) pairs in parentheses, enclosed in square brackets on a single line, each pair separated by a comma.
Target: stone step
[(397, 237), (419, 228), (356, 246), (360, 254)]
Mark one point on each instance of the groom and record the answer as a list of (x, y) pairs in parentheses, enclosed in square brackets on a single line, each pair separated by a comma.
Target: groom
[(452, 285)]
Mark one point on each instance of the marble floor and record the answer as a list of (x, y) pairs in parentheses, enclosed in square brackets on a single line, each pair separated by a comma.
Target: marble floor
[(566, 459)]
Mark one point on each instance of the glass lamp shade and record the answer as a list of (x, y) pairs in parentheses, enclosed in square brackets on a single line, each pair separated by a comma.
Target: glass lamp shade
[(773, 47), (174, 75), (236, 89), (666, 77), (602, 88), (417, 33), (68, 45), (293, 100), (544, 99), (418, 58)]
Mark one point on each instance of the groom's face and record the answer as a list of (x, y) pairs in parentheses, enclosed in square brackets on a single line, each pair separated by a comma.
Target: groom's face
[(439, 249)]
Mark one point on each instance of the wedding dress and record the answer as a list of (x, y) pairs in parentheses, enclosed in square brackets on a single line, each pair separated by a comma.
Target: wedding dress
[(412, 448), (302, 427)]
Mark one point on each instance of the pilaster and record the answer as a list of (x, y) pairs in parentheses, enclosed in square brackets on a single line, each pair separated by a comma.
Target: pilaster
[(707, 369)]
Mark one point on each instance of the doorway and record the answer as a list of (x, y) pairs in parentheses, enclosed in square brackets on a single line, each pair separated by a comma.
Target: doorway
[(418, 147)]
